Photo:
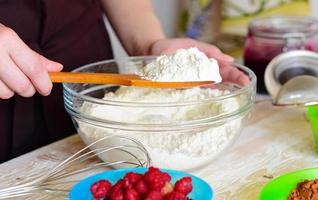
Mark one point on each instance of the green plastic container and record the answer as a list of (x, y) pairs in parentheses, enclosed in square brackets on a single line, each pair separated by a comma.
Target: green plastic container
[(312, 113), (280, 187)]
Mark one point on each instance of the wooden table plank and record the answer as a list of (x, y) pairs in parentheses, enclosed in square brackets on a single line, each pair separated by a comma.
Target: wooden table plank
[(274, 141), (31, 165)]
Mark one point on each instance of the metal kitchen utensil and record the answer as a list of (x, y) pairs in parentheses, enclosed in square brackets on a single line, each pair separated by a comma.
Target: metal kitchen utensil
[(300, 90), (61, 178), (287, 66)]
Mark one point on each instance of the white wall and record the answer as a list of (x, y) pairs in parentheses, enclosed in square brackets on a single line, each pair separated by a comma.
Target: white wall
[(168, 14), (314, 8)]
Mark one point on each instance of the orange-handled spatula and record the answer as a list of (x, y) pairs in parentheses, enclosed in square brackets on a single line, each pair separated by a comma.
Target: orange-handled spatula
[(119, 79)]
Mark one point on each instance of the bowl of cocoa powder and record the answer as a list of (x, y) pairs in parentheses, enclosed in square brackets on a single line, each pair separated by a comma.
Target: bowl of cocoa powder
[(298, 185), (307, 190)]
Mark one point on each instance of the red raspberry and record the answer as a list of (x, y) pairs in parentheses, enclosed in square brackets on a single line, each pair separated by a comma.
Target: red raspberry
[(127, 184), (118, 185), (156, 179), (133, 177), (141, 188), (166, 177), (154, 195), (176, 196), (155, 182), (100, 188), (153, 169), (131, 194), (117, 194), (184, 185)]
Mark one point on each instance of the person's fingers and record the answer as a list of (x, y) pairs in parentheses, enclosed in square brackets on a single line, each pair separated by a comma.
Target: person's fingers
[(169, 46), (53, 66), (223, 59), (5, 92), (243, 79), (31, 64), (14, 78), (23, 70), (50, 65), (223, 63), (211, 51), (232, 74), (214, 52), (208, 49), (228, 72)]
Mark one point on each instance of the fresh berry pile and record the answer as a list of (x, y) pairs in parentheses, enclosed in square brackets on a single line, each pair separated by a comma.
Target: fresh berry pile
[(153, 185)]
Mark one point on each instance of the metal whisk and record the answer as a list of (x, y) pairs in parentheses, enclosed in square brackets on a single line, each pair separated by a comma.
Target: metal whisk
[(87, 161)]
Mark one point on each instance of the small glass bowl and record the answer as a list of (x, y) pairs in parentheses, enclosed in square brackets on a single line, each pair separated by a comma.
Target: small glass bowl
[(185, 143)]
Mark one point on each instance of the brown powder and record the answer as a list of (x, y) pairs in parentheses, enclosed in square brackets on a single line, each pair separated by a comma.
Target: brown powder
[(306, 190)]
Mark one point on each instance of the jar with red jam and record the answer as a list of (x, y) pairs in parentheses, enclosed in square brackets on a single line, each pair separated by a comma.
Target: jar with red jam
[(268, 37)]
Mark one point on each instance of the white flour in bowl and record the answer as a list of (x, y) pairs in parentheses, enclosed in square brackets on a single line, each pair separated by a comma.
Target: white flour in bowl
[(183, 149), (185, 65)]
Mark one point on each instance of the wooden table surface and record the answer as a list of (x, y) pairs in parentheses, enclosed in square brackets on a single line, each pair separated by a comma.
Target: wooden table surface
[(273, 142)]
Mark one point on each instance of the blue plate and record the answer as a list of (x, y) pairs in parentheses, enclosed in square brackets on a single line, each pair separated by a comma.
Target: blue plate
[(201, 191)]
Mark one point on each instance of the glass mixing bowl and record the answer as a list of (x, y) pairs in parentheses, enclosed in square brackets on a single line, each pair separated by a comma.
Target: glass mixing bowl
[(182, 134)]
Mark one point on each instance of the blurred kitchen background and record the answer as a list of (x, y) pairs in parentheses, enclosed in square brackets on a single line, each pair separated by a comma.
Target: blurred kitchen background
[(220, 22)]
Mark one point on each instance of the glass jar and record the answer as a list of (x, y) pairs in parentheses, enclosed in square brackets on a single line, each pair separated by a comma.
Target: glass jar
[(268, 37)]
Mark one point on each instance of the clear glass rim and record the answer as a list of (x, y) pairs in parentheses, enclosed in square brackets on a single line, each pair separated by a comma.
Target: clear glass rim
[(276, 33), (238, 92)]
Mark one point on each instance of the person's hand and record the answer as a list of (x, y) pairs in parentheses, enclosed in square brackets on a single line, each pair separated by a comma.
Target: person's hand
[(227, 71), (22, 70)]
